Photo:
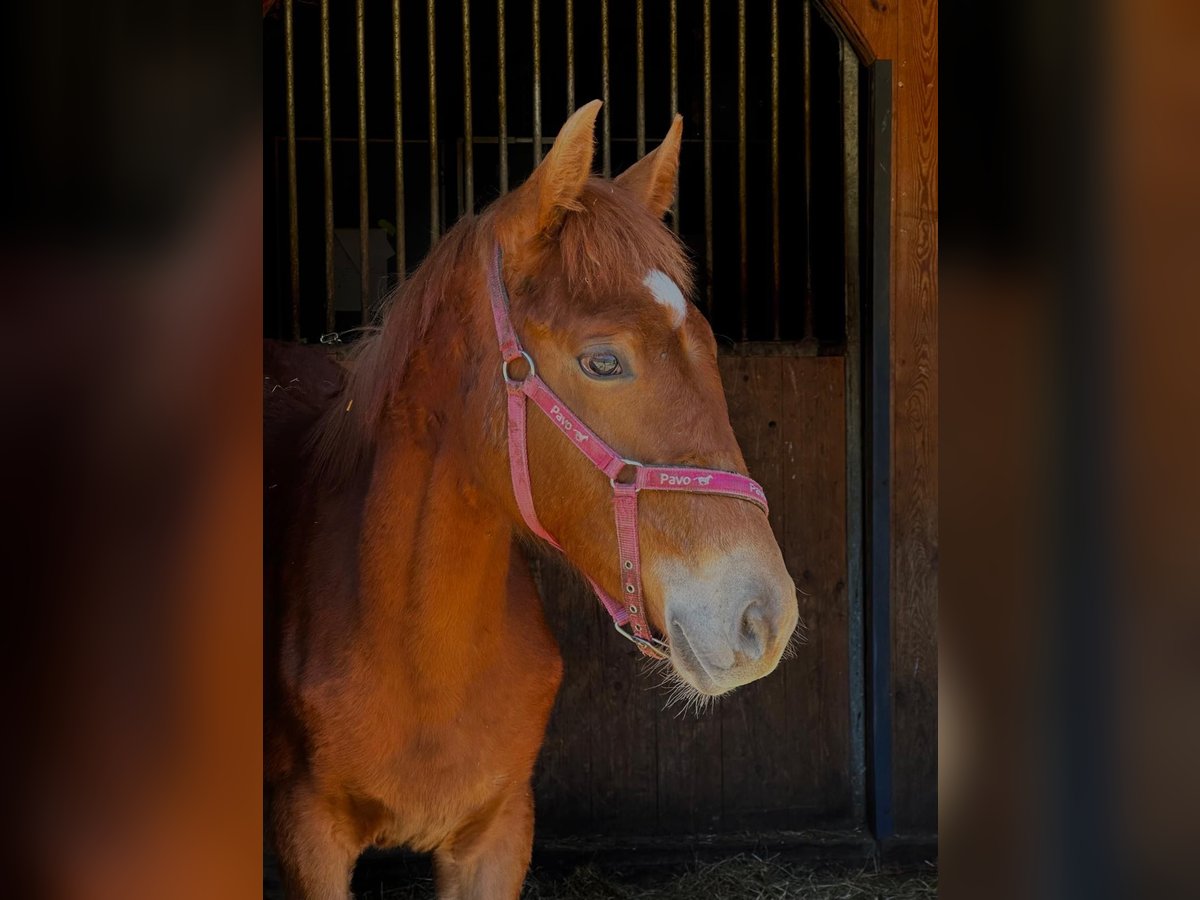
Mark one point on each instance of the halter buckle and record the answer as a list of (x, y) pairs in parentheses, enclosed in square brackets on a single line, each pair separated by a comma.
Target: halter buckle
[(657, 648), (508, 379)]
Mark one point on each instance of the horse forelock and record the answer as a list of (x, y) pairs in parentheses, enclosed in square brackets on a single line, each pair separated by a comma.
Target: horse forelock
[(607, 243)]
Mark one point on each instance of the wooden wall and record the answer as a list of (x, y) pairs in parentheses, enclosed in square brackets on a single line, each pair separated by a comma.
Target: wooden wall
[(906, 32), (773, 755)]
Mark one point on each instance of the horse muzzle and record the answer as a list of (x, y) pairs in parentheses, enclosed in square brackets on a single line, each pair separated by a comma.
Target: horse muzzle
[(728, 621)]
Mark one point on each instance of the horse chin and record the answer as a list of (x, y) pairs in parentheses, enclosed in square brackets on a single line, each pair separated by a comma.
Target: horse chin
[(691, 689), (692, 686), (689, 670)]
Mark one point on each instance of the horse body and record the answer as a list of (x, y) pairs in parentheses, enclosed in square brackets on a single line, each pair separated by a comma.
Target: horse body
[(416, 672), (410, 671)]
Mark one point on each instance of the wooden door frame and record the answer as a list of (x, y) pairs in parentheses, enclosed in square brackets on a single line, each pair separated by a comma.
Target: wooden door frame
[(900, 382)]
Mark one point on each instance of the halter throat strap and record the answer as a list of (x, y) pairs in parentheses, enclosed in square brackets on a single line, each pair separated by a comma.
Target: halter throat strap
[(628, 613)]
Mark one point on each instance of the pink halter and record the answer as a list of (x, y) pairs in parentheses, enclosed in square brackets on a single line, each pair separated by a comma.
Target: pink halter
[(630, 612)]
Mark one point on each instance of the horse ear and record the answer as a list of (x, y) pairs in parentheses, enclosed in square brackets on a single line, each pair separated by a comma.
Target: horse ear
[(559, 179), (652, 178)]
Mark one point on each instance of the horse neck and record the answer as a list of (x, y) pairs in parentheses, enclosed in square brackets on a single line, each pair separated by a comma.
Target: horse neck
[(435, 545)]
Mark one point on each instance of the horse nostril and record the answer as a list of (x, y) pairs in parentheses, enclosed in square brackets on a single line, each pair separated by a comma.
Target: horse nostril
[(754, 634)]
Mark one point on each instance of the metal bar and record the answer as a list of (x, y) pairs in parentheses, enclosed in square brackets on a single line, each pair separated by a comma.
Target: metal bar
[(327, 167), (641, 79), (459, 185), (607, 147), (708, 160), (806, 52), (468, 129), (537, 82), (364, 250), (502, 96), (435, 218), (854, 428), (397, 95), (674, 25), (877, 581), (743, 218), (571, 56), (293, 221), (776, 255)]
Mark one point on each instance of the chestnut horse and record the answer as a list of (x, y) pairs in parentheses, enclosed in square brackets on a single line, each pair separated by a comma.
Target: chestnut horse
[(412, 672)]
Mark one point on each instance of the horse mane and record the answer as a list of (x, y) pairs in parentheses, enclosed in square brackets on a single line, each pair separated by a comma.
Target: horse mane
[(344, 438), (602, 242)]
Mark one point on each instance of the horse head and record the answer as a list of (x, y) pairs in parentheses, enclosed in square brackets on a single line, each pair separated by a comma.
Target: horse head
[(596, 287)]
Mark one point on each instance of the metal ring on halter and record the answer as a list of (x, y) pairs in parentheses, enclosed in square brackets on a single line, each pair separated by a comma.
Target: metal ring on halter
[(627, 462), (659, 648), (508, 379)]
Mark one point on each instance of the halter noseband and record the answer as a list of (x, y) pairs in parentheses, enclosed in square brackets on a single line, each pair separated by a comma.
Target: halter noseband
[(629, 616)]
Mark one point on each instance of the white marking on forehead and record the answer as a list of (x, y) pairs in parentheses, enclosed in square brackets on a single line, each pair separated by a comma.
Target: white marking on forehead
[(667, 293)]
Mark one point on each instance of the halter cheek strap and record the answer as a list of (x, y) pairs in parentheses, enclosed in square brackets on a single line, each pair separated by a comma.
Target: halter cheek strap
[(628, 613)]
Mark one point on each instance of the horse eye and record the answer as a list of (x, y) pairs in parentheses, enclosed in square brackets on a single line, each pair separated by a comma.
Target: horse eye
[(603, 365)]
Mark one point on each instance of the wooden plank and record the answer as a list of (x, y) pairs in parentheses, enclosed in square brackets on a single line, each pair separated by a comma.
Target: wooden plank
[(814, 547), (689, 771), (756, 766), (853, 173), (915, 419)]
